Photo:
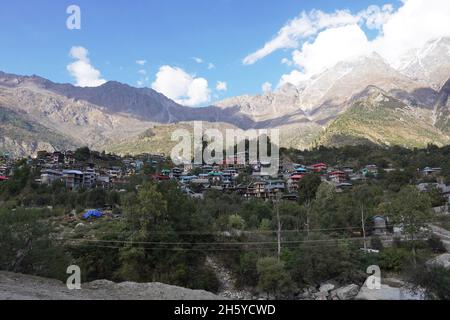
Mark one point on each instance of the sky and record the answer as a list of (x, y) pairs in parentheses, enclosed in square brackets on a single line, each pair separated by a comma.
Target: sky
[(200, 51)]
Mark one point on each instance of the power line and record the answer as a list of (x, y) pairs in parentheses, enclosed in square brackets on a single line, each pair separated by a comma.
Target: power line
[(199, 249), (213, 243), (244, 232)]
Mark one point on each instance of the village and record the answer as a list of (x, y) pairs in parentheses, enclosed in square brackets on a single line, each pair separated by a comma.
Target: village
[(194, 179), (233, 175)]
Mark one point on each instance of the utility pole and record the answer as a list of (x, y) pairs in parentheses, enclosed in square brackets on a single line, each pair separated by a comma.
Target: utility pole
[(363, 227), (279, 225)]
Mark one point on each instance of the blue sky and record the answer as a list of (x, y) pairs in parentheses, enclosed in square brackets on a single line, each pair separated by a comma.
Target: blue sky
[(116, 33)]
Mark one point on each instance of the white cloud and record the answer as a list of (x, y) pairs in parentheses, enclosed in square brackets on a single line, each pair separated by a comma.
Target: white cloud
[(375, 17), (198, 60), (211, 66), (319, 40), (266, 87), (414, 24), (330, 47), (286, 61), (82, 70), (141, 62), (301, 27), (142, 72), (221, 86), (295, 78), (182, 87)]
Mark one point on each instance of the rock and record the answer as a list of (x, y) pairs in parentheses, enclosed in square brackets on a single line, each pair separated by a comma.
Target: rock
[(24, 287), (326, 287), (308, 293), (394, 282), (321, 296), (346, 293), (442, 261), (388, 293)]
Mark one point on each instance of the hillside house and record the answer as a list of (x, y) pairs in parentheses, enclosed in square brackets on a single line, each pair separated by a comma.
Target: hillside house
[(89, 179), (256, 189), (49, 176), (370, 169), (273, 187), (380, 226), (337, 176), (73, 179), (319, 167), (431, 171)]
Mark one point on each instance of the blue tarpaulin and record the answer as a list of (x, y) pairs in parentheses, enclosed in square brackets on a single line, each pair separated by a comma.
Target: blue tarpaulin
[(93, 214)]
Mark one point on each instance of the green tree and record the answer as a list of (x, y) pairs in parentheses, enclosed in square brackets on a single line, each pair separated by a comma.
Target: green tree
[(273, 278), (144, 212), (411, 210), (434, 280), (28, 245), (82, 154), (307, 189)]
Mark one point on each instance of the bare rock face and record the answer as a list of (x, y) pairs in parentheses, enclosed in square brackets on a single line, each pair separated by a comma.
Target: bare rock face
[(441, 261), (429, 64), (326, 287), (346, 293), (387, 292), (23, 287)]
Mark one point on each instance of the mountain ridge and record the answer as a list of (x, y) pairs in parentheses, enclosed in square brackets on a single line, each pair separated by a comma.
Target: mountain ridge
[(115, 114)]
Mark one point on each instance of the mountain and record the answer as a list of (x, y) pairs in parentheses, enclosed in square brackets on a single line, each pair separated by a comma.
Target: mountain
[(442, 109), (375, 117), (101, 117), (337, 106), (428, 64), (324, 96), (79, 122), (117, 98), (20, 135)]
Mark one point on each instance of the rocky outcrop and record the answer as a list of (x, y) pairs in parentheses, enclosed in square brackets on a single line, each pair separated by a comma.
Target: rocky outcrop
[(389, 292), (345, 293), (441, 261), (23, 287), (227, 287)]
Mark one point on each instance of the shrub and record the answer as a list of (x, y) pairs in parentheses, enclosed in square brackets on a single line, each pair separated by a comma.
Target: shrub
[(394, 259)]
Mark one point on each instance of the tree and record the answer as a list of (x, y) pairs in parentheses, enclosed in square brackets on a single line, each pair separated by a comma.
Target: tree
[(273, 278), (411, 210), (144, 212), (434, 280), (145, 208), (27, 244), (82, 154), (365, 197), (236, 222), (307, 189)]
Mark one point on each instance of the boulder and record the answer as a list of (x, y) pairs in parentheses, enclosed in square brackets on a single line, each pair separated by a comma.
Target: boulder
[(323, 295), (326, 287), (308, 293), (442, 261), (388, 293), (346, 293)]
